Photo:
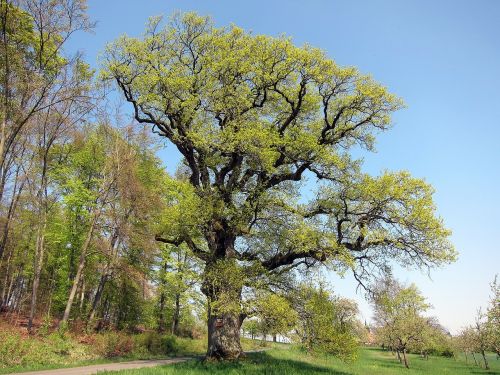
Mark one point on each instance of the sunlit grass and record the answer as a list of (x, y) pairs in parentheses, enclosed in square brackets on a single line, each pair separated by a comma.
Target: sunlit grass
[(371, 361)]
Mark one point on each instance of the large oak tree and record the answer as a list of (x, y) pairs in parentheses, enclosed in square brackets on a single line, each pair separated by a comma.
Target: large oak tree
[(254, 116)]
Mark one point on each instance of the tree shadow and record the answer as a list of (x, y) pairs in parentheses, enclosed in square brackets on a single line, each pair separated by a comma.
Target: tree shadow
[(258, 363)]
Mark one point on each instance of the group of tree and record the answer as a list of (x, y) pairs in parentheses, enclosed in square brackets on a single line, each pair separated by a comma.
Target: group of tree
[(484, 334), (400, 324), (81, 193), (94, 229), (311, 315)]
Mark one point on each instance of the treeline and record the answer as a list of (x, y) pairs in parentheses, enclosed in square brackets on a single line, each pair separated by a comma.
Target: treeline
[(81, 195), (402, 327), (311, 315)]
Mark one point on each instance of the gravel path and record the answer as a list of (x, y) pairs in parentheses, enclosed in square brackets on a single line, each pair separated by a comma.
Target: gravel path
[(94, 369)]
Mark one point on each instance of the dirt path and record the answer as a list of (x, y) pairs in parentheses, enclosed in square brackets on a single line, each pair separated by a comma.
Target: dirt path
[(94, 369)]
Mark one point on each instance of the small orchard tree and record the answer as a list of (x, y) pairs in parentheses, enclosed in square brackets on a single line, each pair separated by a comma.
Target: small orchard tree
[(276, 315), (326, 323), (253, 116), (398, 313), (467, 342), (433, 339), (482, 336), (251, 327), (493, 317)]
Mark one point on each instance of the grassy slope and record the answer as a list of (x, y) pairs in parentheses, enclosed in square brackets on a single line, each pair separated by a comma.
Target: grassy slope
[(282, 361), (34, 354)]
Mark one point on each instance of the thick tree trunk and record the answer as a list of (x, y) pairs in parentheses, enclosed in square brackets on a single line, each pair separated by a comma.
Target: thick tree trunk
[(224, 322), (224, 336)]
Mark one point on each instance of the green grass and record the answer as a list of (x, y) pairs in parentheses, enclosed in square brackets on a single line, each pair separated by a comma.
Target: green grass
[(372, 361), (20, 354)]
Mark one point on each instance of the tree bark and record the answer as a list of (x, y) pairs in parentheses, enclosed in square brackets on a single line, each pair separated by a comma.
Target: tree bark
[(224, 336), (39, 256), (177, 312), (223, 325), (405, 359), (161, 314), (79, 271), (486, 366), (97, 297)]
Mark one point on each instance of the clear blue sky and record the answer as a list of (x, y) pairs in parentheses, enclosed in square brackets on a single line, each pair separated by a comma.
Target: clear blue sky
[(443, 59)]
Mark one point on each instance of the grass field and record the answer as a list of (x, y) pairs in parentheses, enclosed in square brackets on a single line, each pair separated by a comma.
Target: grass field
[(24, 353), (371, 361)]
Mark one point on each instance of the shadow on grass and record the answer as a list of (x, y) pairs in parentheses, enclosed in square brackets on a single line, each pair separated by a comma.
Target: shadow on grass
[(254, 363)]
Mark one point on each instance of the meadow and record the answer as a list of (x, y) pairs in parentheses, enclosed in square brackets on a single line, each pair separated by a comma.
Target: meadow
[(371, 361)]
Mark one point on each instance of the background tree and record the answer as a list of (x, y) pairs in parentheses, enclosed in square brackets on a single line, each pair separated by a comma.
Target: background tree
[(252, 116), (45, 92), (467, 342), (251, 327), (398, 316), (178, 275), (482, 336), (276, 315), (326, 323), (433, 339), (493, 317), (36, 75)]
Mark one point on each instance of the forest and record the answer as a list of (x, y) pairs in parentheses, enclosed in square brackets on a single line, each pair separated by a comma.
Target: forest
[(104, 254)]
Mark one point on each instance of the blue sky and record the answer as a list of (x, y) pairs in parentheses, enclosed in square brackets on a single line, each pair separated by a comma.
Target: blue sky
[(443, 59)]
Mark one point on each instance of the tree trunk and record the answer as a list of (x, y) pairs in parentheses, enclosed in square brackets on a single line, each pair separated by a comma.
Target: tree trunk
[(39, 256), (177, 313), (224, 322), (3, 298), (106, 275), (224, 336), (97, 297), (275, 338), (485, 361), (79, 271), (475, 360), (399, 356), (405, 359), (161, 314)]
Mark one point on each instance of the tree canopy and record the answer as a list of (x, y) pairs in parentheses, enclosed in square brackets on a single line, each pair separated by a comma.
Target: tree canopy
[(254, 116)]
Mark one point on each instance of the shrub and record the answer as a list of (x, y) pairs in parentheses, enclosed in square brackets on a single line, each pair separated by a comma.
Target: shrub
[(12, 350), (169, 345), (16, 350), (155, 343), (113, 344)]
